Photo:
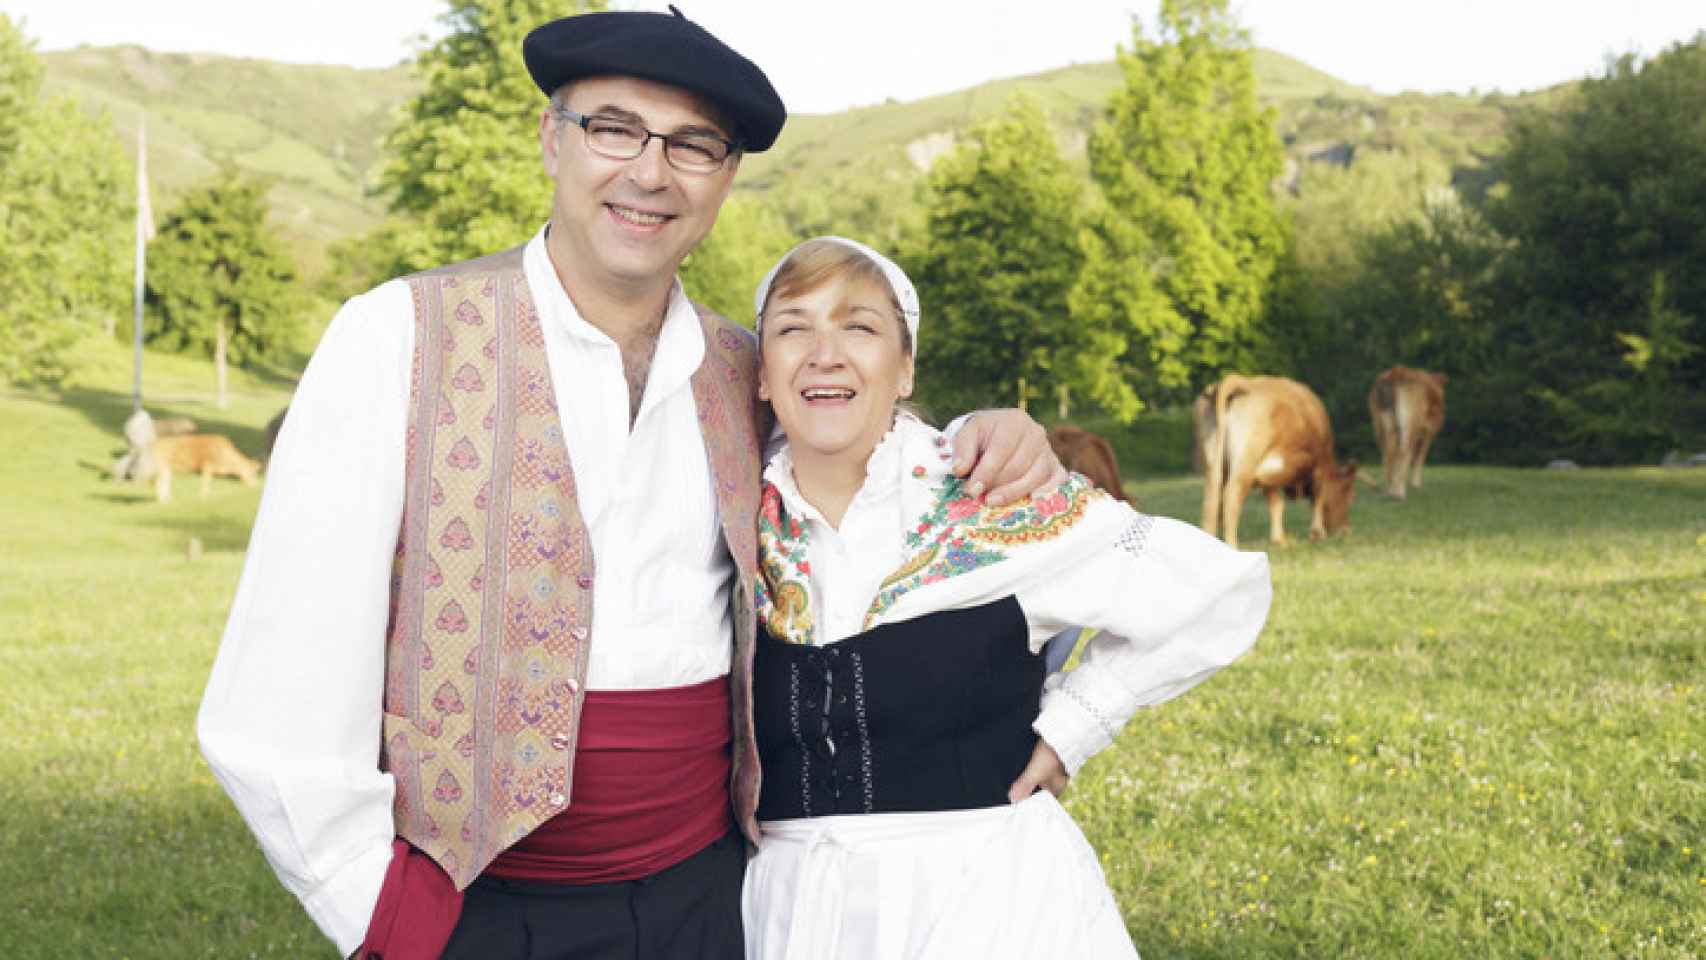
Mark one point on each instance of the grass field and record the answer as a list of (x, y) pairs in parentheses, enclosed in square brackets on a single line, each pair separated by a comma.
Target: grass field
[(1473, 728)]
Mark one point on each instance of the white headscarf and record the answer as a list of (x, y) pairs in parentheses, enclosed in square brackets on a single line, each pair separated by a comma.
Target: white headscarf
[(904, 293)]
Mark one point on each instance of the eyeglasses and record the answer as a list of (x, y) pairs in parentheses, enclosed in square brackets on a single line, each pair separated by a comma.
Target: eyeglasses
[(622, 140)]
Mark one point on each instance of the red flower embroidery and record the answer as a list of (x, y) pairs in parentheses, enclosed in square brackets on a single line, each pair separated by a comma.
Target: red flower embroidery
[(447, 790), (1050, 505), (468, 379), (447, 699), (918, 471), (462, 456), (451, 619), (456, 535), (962, 508)]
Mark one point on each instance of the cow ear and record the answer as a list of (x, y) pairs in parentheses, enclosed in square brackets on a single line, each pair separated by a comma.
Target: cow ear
[(1441, 378)]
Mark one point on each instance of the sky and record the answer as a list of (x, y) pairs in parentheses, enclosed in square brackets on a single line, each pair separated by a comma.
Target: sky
[(829, 56)]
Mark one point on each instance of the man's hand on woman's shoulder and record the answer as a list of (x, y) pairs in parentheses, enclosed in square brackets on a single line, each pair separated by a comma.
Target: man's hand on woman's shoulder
[(1006, 456)]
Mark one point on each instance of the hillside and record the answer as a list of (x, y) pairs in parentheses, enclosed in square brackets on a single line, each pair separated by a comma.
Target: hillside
[(1072, 97), (319, 130)]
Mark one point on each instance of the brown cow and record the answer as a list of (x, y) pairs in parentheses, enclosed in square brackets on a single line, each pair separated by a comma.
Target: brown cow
[(1273, 433), (208, 454), (1084, 452), (1408, 408)]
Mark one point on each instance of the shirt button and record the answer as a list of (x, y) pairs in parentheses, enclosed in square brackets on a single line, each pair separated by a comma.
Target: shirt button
[(558, 799), (579, 633), (574, 687), (585, 581), (560, 742)]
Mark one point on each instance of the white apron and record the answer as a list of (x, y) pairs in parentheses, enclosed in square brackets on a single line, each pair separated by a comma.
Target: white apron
[(999, 882)]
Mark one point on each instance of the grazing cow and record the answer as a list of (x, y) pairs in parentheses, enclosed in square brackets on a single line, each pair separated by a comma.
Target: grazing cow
[(1084, 452), (173, 426), (140, 432), (1273, 433), (1408, 408), (208, 454)]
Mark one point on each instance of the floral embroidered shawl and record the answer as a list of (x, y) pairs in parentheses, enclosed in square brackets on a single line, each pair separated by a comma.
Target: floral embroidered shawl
[(959, 552)]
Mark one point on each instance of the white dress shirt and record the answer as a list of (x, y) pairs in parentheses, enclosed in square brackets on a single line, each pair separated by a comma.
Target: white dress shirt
[(1172, 604), (290, 723)]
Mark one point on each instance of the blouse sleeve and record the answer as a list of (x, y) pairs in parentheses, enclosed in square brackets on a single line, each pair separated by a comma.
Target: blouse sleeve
[(1172, 604), (290, 722)]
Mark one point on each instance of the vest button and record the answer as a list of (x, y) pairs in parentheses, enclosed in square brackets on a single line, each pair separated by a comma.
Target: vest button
[(585, 581), (560, 742), (579, 633), (558, 799)]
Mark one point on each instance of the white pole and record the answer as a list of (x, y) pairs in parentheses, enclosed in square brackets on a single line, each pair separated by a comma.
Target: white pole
[(144, 232)]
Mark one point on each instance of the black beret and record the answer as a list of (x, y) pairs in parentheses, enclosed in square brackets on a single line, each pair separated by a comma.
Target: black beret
[(664, 48)]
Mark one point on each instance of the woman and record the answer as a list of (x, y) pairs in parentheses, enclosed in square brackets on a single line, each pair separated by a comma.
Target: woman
[(904, 724)]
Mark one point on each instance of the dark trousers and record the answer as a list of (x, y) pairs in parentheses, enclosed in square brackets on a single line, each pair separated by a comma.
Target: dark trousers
[(690, 911)]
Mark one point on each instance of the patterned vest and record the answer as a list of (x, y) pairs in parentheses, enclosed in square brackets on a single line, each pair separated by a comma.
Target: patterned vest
[(491, 593)]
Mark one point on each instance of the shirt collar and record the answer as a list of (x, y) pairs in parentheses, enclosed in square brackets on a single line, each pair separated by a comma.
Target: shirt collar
[(681, 341), (897, 458)]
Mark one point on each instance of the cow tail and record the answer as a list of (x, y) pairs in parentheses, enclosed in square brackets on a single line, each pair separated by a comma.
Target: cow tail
[(1386, 405), (1217, 468), (1217, 465)]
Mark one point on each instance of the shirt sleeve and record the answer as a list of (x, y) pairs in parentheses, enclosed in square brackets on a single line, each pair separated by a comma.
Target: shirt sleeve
[(1172, 604), (290, 722)]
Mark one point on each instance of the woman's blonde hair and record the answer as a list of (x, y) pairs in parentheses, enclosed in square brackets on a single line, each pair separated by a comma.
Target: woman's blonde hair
[(818, 262)]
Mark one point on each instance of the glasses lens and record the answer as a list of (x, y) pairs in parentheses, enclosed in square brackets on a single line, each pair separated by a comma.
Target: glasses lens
[(614, 138), (696, 153)]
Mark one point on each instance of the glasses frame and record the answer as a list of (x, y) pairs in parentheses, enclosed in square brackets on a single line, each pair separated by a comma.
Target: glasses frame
[(583, 120)]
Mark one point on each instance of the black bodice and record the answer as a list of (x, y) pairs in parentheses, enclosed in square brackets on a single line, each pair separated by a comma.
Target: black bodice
[(927, 714)]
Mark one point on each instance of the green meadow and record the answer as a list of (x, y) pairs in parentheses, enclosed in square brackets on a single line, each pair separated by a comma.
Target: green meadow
[(1472, 728)]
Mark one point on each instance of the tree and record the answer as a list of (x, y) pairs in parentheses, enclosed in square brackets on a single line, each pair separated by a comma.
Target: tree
[(65, 209), (465, 168), (219, 279), (995, 268), (1179, 258), (1419, 291), (1604, 300), (723, 271)]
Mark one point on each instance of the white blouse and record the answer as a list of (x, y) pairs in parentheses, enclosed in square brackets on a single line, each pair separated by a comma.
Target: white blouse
[(1172, 604)]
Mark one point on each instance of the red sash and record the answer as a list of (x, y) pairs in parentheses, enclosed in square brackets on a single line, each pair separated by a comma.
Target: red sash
[(650, 789)]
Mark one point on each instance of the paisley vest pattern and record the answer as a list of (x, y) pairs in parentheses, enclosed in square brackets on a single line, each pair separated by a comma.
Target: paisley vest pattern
[(491, 590)]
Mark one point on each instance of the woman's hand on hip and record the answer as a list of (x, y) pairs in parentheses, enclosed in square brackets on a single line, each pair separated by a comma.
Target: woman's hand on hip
[(1045, 771)]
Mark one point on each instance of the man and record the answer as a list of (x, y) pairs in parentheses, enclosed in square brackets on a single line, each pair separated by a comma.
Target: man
[(436, 742)]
